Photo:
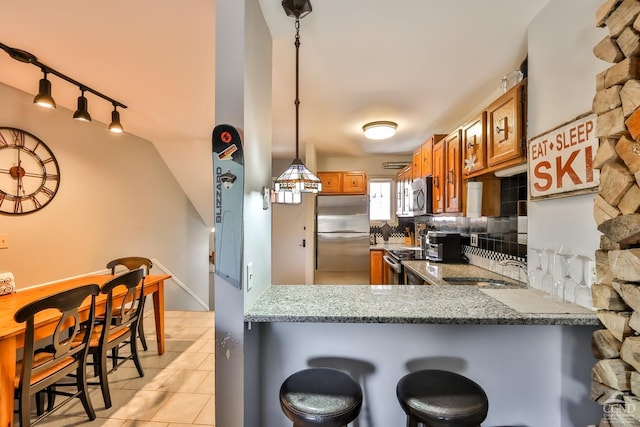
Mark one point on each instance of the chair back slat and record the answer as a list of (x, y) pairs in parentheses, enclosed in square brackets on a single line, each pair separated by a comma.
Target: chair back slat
[(130, 263), (128, 312)]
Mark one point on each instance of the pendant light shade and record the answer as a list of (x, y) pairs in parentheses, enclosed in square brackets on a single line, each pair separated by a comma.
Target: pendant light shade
[(82, 113), (44, 98), (115, 125), (297, 178)]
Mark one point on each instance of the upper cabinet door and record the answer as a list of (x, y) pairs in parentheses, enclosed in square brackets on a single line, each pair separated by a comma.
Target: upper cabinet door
[(474, 145), (505, 126), (331, 182), (427, 154), (438, 177), (354, 183), (416, 165), (453, 176)]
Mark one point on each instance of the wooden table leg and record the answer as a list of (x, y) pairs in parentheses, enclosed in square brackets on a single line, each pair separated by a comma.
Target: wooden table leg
[(158, 313), (7, 374)]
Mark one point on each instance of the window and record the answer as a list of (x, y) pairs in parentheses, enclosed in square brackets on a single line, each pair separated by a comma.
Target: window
[(380, 199)]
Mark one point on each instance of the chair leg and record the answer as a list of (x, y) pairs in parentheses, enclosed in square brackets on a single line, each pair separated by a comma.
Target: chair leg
[(134, 354), (143, 340), (51, 398), (24, 408), (40, 402), (114, 357), (104, 381), (81, 378)]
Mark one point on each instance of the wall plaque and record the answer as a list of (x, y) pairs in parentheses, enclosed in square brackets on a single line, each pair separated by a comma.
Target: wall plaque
[(561, 160)]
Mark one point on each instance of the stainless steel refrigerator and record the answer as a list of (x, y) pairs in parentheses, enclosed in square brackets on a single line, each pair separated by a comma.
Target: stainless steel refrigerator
[(342, 233)]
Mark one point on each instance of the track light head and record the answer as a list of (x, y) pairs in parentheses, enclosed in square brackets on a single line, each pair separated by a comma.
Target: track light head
[(44, 98), (82, 113), (115, 126)]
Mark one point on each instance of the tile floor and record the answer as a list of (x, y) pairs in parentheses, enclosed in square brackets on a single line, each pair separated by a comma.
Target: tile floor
[(177, 389)]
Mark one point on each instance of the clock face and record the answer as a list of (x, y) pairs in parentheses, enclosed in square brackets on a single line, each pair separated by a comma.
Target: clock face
[(29, 172)]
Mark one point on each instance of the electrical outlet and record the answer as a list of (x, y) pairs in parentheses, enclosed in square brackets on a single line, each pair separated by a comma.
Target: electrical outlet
[(4, 240), (249, 276), (474, 240)]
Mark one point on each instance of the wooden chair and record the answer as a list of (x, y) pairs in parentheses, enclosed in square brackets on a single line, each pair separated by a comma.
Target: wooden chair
[(131, 263), (65, 356), (115, 332)]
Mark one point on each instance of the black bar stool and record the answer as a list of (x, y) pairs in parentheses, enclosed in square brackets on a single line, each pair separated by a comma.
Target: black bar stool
[(437, 398), (320, 397)]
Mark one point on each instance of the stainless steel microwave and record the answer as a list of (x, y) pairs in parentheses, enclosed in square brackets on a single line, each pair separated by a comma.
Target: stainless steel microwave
[(422, 189)]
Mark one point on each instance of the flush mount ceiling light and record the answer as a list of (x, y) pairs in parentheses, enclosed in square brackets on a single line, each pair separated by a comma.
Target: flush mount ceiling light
[(379, 130), (297, 178), (44, 98)]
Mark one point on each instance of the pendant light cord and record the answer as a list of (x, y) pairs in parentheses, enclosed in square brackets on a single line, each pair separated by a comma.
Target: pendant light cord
[(297, 101)]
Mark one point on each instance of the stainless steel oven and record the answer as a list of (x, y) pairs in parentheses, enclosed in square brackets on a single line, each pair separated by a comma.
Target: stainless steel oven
[(393, 270)]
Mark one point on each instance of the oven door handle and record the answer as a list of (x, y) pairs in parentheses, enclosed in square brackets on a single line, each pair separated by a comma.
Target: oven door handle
[(396, 266)]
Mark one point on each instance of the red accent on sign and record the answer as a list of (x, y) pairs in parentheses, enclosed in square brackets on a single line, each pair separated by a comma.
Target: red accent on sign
[(225, 137)]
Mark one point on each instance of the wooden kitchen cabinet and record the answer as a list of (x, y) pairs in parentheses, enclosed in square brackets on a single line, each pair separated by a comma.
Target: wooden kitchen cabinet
[(343, 182), (416, 164), (505, 127), (354, 182), (474, 146), (447, 177), (376, 267), (422, 163), (427, 154), (331, 182), (404, 179)]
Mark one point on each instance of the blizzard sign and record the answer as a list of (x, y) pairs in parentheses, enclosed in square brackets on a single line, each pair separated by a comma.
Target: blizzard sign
[(561, 160)]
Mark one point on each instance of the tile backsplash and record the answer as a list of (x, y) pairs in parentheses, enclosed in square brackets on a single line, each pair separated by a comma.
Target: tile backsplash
[(498, 237)]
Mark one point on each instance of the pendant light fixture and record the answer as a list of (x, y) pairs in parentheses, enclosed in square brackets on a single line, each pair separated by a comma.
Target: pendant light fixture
[(44, 98), (115, 126), (297, 178), (82, 113)]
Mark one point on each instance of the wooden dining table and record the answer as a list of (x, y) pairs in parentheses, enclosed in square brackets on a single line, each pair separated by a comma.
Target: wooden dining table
[(12, 333)]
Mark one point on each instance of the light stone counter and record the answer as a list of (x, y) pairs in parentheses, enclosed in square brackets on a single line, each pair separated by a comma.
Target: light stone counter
[(456, 305)]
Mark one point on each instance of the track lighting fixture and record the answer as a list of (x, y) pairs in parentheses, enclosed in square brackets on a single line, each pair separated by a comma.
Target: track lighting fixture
[(115, 125), (82, 113), (44, 98)]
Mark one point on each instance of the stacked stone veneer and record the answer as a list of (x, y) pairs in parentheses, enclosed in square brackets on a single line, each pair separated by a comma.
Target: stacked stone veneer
[(616, 293)]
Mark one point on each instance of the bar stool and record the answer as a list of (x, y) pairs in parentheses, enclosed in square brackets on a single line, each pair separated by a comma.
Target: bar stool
[(438, 398), (320, 397)]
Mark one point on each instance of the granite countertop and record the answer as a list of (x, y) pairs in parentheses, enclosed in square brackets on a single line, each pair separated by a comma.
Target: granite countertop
[(461, 305), (391, 245)]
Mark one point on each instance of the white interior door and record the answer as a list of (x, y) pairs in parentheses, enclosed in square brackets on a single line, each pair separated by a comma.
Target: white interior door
[(287, 236)]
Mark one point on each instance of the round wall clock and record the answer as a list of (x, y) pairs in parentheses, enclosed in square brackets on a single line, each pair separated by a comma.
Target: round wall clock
[(29, 172)]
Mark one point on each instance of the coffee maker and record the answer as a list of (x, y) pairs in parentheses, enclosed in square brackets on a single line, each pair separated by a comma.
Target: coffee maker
[(440, 246)]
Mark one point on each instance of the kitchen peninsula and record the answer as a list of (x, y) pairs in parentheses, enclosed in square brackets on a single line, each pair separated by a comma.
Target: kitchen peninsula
[(379, 333)]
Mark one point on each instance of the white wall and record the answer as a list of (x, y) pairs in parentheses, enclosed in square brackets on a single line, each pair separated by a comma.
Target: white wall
[(562, 70), (243, 99), (116, 198)]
